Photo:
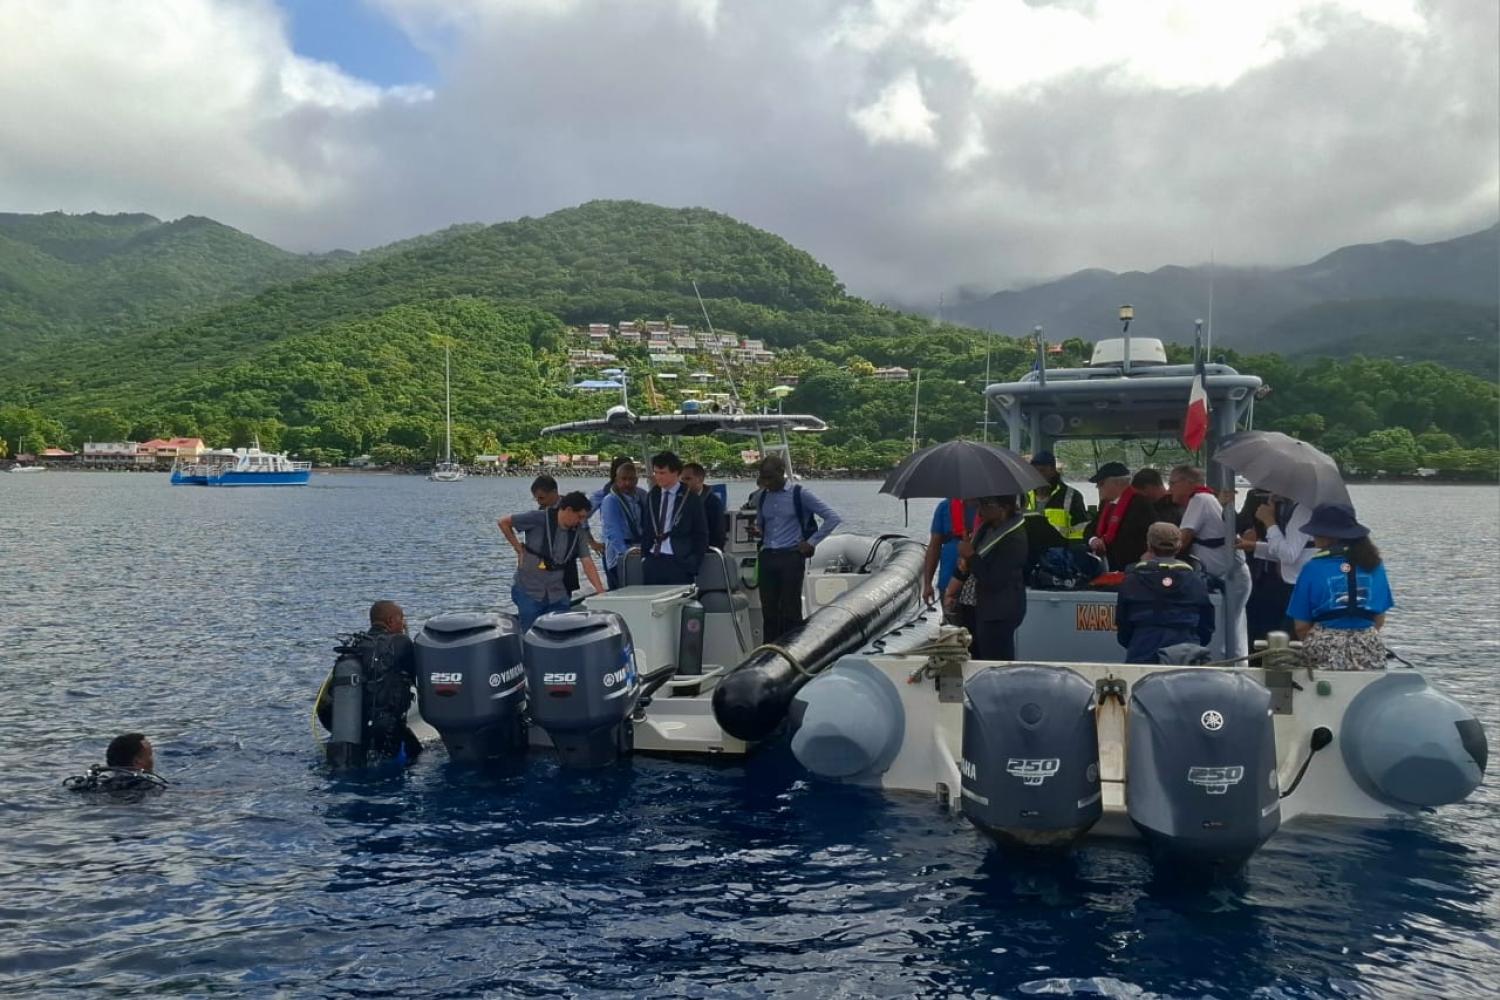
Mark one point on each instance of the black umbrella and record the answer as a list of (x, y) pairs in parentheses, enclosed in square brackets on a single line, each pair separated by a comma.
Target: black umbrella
[(963, 469), (1285, 466)]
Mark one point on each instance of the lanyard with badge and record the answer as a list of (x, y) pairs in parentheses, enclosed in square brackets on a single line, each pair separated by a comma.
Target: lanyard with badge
[(548, 531)]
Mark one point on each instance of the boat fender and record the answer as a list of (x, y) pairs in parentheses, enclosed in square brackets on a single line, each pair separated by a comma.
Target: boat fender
[(1411, 746), (848, 722)]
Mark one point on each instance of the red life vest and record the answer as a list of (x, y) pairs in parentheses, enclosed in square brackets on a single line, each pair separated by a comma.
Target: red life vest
[(957, 516), (1113, 515)]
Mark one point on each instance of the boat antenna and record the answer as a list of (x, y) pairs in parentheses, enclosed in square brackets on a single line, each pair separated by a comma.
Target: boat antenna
[(447, 405), (734, 392)]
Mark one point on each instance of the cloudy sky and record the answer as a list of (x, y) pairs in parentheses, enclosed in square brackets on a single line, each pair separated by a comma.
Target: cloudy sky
[(913, 146)]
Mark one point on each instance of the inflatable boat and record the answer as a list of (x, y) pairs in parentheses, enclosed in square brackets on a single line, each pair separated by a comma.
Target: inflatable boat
[(1202, 762)]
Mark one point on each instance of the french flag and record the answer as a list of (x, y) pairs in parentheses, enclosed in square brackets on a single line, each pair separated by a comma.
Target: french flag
[(1195, 422)]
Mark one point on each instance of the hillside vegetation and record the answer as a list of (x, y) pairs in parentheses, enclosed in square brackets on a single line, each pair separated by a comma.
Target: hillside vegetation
[(70, 278), (349, 360)]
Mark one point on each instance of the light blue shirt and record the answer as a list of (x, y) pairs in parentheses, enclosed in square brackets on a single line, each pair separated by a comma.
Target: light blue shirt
[(778, 518), (621, 530)]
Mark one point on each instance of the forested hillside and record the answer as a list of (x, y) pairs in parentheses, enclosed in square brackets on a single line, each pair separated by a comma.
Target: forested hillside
[(70, 278), (349, 361), (1269, 309)]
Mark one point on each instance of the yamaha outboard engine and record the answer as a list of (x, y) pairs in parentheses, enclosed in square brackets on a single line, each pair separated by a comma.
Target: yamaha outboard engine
[(580, 666), (1201, 764), (471, 686), (1031, 754)]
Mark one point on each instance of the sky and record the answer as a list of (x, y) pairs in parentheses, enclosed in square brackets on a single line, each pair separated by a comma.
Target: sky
[(915, 146)]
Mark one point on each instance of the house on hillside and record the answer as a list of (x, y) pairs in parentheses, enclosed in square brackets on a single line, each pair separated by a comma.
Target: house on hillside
[(895, 373), (684, 343), (598, 328)]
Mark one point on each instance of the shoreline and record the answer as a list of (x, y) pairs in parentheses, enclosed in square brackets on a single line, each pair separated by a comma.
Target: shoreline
[(810, 474)]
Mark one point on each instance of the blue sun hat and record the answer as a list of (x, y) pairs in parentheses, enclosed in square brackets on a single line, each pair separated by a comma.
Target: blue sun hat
[(1335, 520)]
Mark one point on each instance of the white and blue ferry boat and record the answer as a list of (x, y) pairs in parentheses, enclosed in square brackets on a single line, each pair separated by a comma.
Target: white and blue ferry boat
[(242, 467)]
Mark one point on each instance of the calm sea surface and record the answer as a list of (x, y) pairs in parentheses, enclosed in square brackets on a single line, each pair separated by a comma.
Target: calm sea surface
[(205, 618)]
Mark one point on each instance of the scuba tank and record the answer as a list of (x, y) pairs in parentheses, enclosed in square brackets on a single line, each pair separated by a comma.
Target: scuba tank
[(369, 700), (346, 741)]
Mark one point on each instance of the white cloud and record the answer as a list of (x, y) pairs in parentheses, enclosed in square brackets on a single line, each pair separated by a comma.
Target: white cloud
[(898, 115), (172, 106), (911, 144)]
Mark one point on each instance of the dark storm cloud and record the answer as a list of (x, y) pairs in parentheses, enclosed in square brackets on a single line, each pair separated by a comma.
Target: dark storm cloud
[(913, 147)]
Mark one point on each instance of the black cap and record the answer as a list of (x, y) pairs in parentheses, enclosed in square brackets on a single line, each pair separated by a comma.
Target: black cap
[(1110, 470)]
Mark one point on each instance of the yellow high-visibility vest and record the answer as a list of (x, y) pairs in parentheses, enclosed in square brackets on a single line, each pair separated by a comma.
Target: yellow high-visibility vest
[(1060, 517)]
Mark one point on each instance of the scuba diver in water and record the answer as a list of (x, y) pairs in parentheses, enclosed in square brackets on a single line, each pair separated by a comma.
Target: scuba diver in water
[(364, 701), (129, 767)]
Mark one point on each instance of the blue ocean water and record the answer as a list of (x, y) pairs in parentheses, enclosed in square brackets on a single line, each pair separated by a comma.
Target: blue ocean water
[(206, 618)]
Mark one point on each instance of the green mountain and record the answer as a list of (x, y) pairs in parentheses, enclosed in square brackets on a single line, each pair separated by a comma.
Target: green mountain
[(348, 359), (69, 278), (1262, 309), (1455, 334)]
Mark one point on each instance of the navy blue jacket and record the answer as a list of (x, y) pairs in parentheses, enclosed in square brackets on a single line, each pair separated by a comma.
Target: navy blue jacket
[(713, 512), (1161, 604), (688, 530)]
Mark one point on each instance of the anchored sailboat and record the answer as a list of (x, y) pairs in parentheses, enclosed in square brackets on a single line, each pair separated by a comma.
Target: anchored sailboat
[(447, 471)]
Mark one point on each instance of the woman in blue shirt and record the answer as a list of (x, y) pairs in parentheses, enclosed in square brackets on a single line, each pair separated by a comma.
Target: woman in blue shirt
[(621, 513), (1342, 594)]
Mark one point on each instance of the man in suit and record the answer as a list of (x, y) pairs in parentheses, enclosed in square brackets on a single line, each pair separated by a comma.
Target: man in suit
[(695, 476), (679, 529)]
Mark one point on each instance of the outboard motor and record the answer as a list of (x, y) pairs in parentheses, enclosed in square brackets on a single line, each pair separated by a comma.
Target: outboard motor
[(1031, 754), (1201, 764), (580, 666), (471, 686)]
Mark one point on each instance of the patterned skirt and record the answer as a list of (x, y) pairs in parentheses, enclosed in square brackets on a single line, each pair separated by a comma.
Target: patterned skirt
[(1344, 648)]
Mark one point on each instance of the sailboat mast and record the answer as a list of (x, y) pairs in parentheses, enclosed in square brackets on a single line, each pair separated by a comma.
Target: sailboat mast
[(447, 404), (916, 407)]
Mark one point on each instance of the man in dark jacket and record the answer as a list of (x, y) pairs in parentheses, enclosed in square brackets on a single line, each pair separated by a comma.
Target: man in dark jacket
[(1163, 600), (695, 477), (678, 530), (1127, 510)]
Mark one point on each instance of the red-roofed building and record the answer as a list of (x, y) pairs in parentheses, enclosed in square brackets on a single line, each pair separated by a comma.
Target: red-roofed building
[(57, 455), (171, 448)]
